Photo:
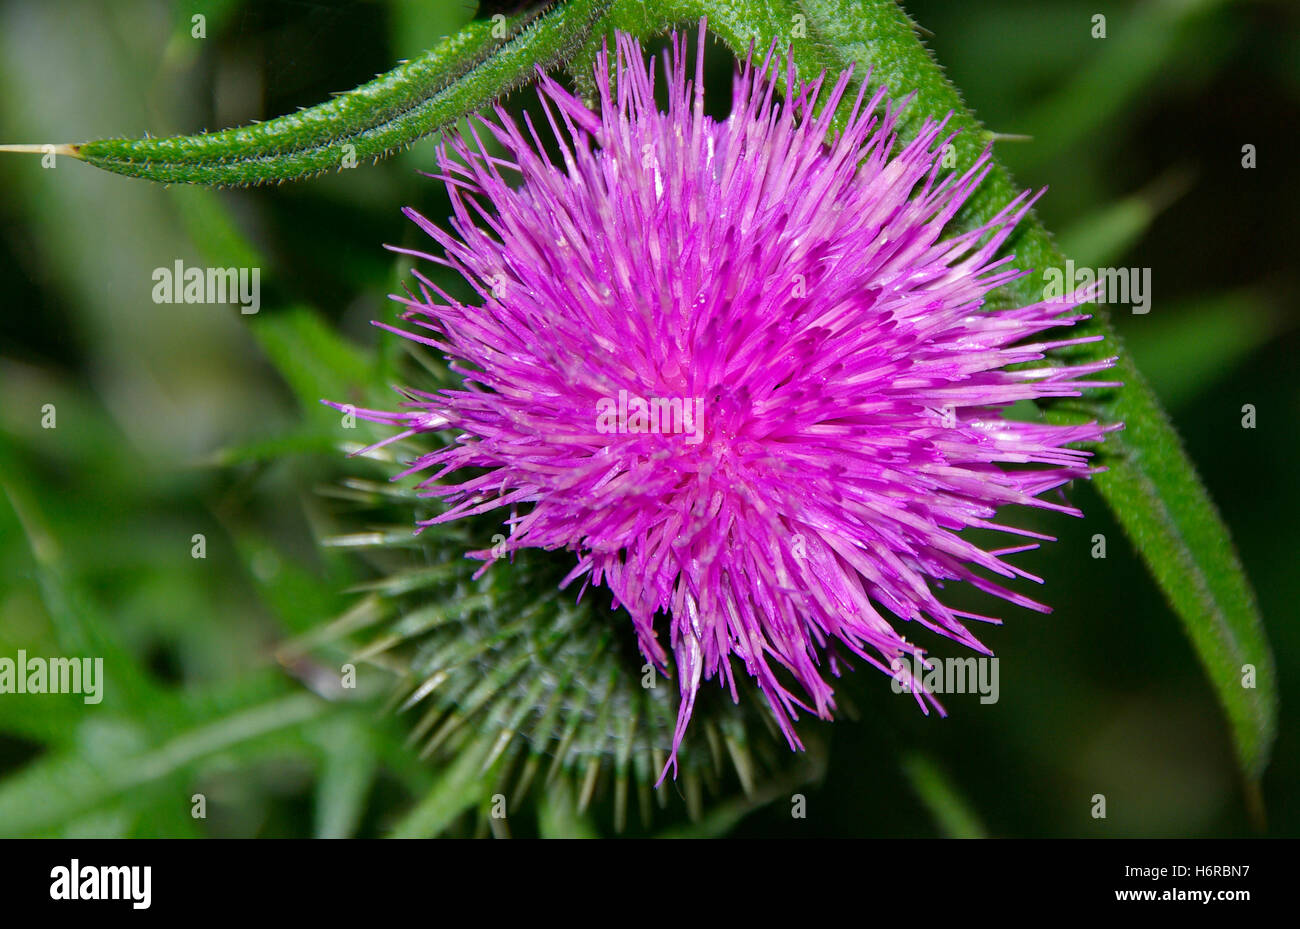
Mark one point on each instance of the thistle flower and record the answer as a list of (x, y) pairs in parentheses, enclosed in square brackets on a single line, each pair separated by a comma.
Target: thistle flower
[(736, 368)]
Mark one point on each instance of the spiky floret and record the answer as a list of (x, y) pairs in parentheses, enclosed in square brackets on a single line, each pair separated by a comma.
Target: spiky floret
[(840, 382)]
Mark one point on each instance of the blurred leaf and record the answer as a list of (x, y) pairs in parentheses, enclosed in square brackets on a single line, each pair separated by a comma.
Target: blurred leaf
[(1188, 347), (315, 360), (1103, 236), (558, 816), (79, 629), (1131, 55), (53, 790), (348, 772), (459, 786), (304, 442), (300, 598), (417, 24), (951, 813), (207, 222)]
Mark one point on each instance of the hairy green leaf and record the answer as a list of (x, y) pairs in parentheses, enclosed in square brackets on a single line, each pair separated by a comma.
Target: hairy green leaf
[(469, 70)]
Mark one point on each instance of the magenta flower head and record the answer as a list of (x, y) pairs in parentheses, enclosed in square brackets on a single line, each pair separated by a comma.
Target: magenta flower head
[(738, 370)]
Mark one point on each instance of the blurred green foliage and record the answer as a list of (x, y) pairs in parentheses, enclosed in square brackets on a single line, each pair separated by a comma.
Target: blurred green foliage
[(177, 420)]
